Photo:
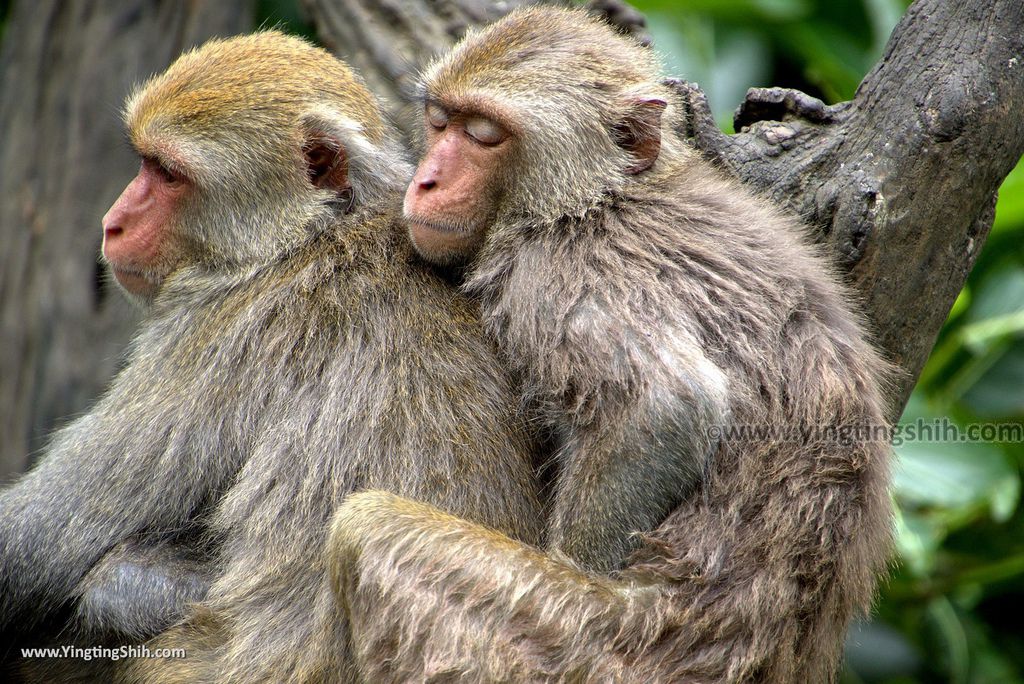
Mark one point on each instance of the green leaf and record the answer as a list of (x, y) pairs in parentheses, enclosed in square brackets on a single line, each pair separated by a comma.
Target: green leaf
[(883, 15), (998, 392), (955, 475), (1010, 206), (943, 615), (962, 303), (978, 335), (1000, 294), (836, 63), (918, 539), (746, 11)]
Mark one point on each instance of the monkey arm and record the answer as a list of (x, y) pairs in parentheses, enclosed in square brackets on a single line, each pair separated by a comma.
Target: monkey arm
[(615, 487), (428, 593), (711, 600), (621, 475), (94, 488)]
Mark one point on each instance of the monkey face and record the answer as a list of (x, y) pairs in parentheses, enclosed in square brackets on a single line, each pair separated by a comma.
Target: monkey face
[(138, 242), (454, 195), (232, 177)]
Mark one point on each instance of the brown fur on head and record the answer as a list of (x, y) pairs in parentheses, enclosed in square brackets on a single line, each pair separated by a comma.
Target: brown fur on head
[(247, 133), (583, 111)]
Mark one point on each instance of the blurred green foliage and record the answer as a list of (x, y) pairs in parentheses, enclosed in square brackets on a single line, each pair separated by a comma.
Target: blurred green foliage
[(5, 9), (952, 610), (285, 15)]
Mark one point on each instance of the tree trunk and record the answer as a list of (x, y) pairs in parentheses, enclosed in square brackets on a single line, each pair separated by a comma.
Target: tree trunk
[(900, 182), (65, 68)]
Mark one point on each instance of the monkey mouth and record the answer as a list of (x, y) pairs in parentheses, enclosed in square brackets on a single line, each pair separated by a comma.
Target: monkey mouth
[(418, 223), (128, 270), (134, 280), (443, 243)]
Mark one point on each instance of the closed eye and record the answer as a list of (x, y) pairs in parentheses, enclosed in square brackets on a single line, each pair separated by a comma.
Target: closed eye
[(485, 131), (436, 116)]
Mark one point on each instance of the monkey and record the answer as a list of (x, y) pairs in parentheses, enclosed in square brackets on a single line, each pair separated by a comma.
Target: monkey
[(293, 351), (720, 503)]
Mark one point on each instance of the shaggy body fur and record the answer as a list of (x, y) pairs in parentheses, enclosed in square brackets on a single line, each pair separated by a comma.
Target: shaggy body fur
[(264, 388), (652, 318)]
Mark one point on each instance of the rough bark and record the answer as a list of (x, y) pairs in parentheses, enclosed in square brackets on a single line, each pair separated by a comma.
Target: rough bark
[(65, 68), (900, 182)]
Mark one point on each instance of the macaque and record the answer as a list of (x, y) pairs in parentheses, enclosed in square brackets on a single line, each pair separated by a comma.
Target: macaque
[(721, 505), (294, 351)]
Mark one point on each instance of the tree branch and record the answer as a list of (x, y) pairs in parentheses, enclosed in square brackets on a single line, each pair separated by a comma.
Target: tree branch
[(901, 181)]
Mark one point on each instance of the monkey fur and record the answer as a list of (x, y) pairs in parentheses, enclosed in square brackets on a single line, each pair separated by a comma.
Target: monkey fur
[(294, 351), (696, 362)]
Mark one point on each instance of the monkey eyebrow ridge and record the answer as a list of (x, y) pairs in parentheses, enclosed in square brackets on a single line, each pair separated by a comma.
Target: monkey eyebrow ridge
[(478, 104)]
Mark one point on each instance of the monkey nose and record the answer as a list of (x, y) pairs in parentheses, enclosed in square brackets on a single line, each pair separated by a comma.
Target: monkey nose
[(429, 184), (111, 222), (111, 232)]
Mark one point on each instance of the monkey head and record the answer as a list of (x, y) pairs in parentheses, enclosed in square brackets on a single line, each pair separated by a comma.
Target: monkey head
[(247, 145), (536, 117)]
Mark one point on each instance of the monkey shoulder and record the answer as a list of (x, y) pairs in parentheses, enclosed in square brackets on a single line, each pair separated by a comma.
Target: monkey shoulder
[(365, 297), (685, 293), (763, 301), (725, 249)]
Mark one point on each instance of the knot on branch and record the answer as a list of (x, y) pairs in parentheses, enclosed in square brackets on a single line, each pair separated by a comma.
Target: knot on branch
[(849, 207), (949, 107), (782, 104)]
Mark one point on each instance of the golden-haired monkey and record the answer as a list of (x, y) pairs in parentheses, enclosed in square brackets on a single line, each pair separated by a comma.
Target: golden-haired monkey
[(294, 351)]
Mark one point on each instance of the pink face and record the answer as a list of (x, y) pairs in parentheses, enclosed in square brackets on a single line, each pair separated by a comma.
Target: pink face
[(137, 242), (450, 200)]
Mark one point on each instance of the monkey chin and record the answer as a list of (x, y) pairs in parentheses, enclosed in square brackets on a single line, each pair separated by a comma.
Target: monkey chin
[(138, 288), (444, 245)]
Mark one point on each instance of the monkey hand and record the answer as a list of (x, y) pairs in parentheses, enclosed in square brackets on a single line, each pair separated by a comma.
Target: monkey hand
[(138, 590)]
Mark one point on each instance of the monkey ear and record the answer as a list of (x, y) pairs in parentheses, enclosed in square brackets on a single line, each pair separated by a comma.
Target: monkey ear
[(639, 133), (326, 162)]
